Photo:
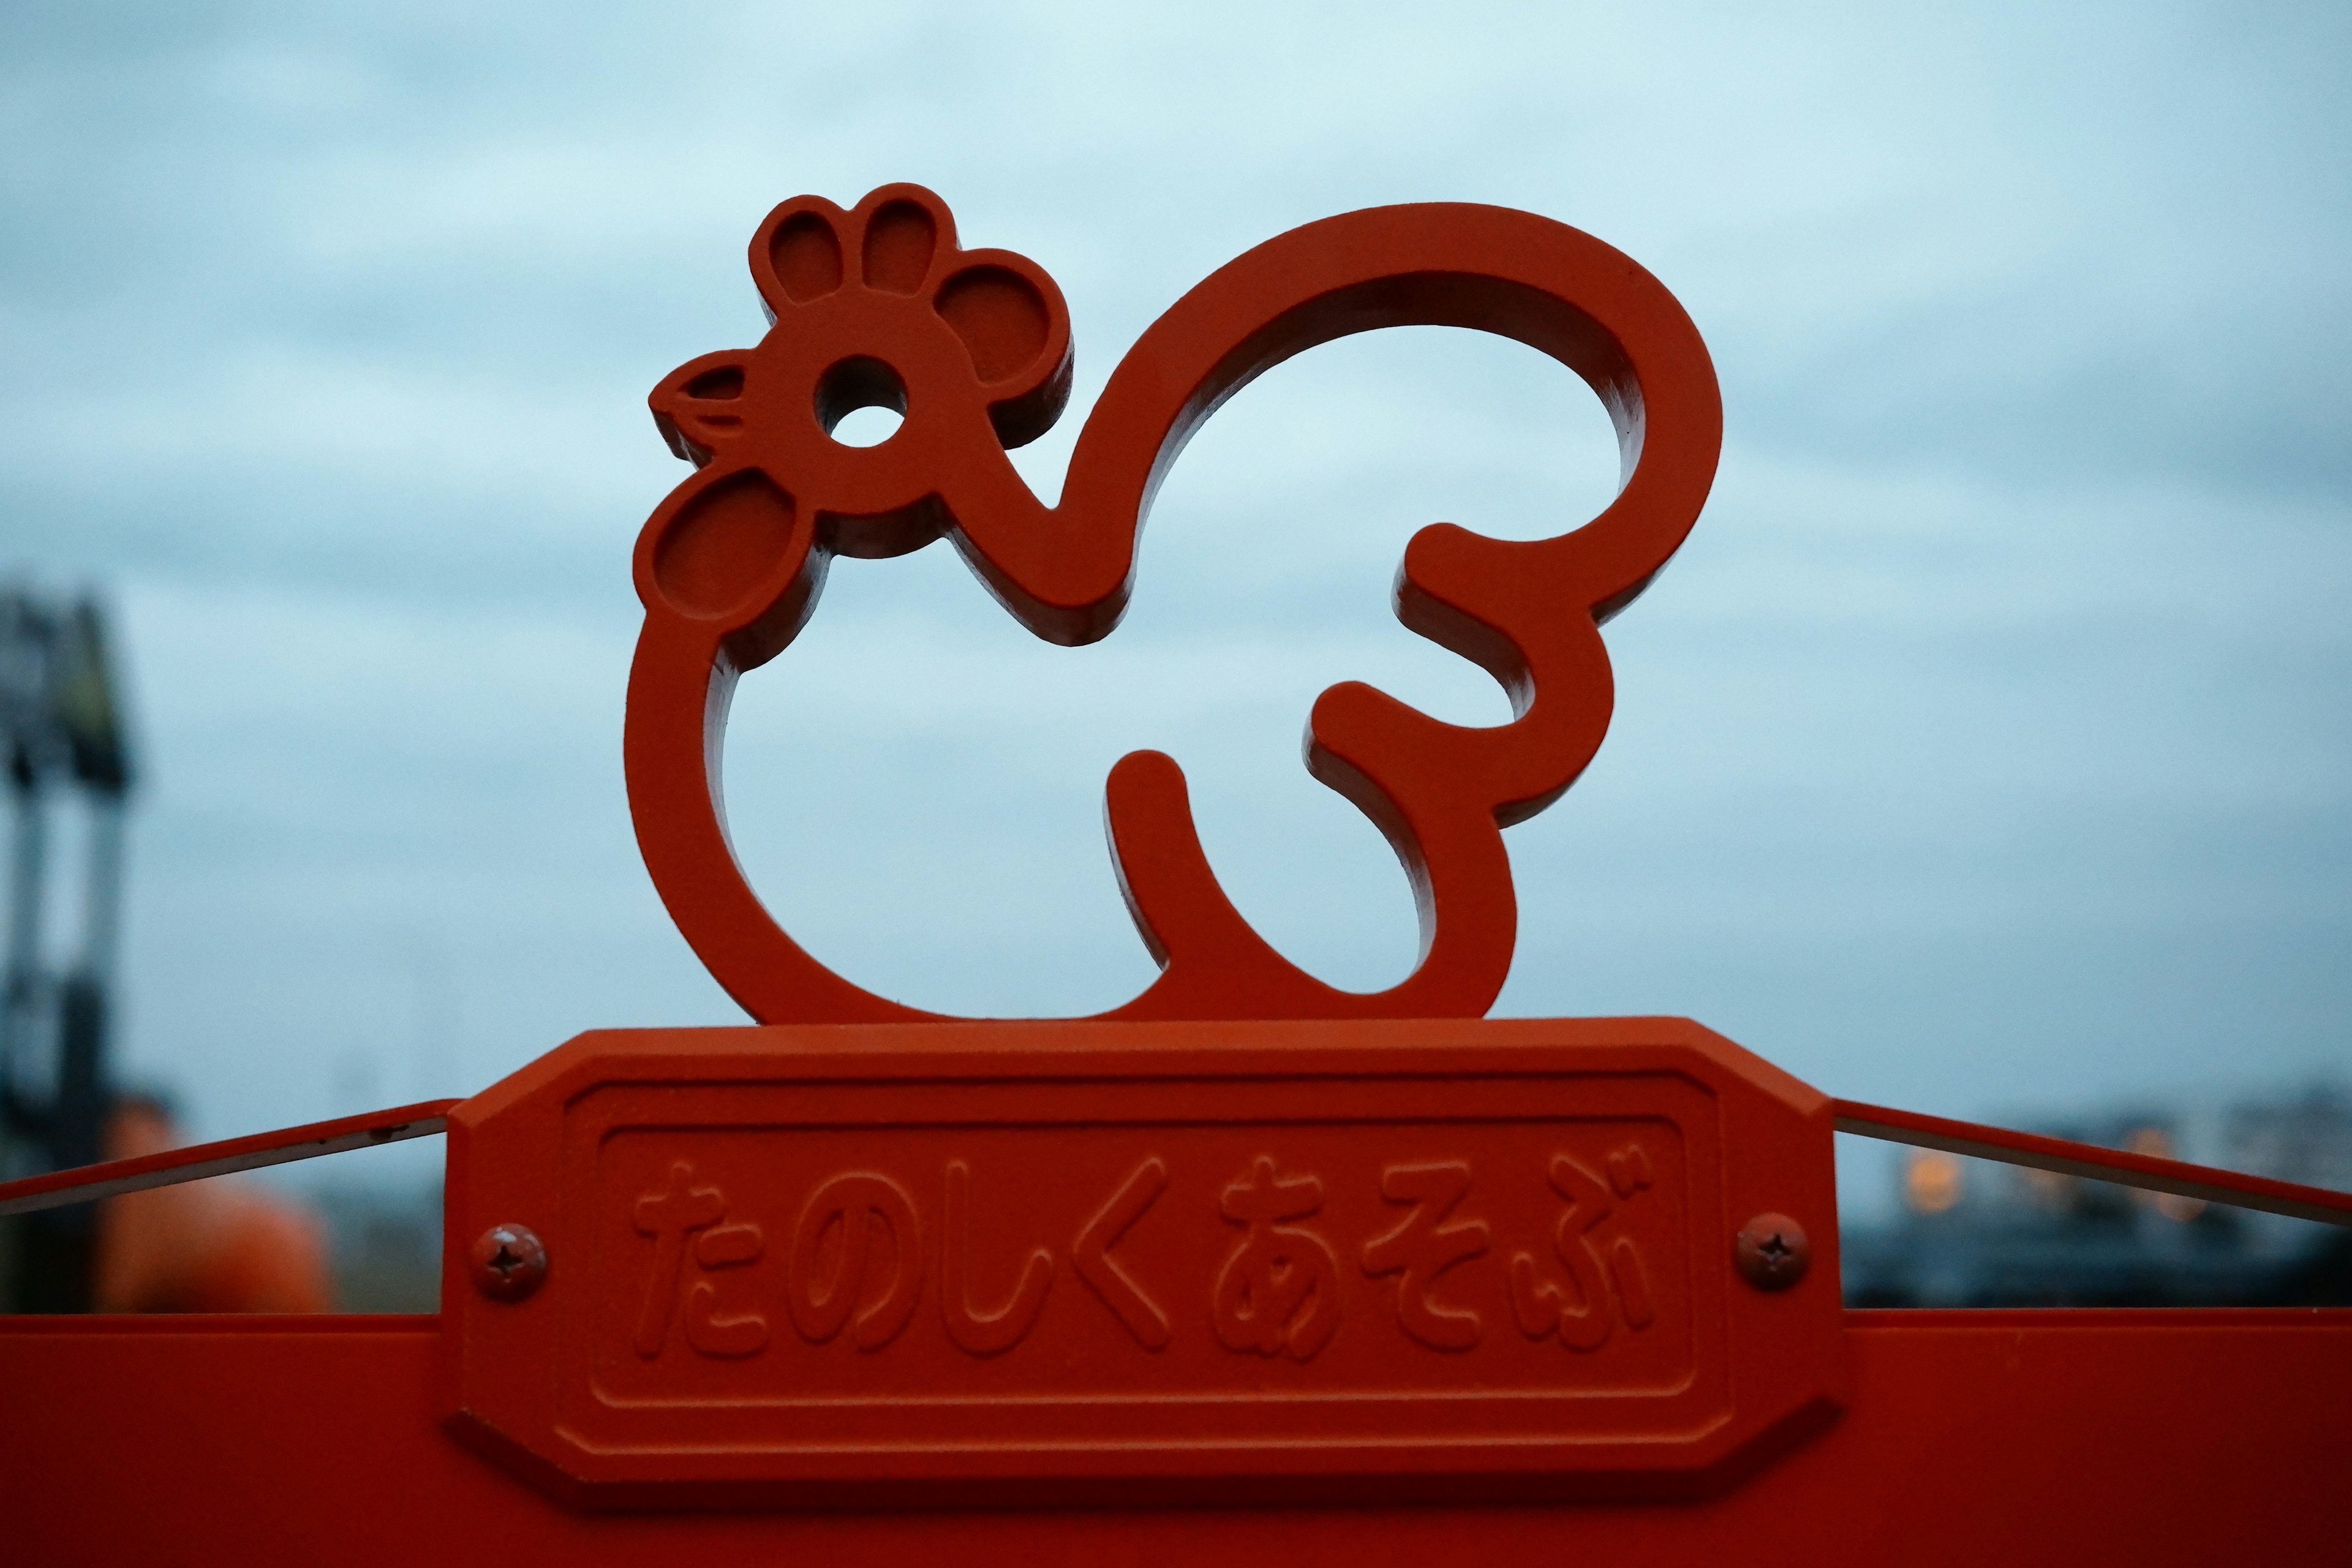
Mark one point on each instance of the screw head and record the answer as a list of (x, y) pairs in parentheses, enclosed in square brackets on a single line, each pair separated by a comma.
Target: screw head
[(1772, 1252), (510, 1260)]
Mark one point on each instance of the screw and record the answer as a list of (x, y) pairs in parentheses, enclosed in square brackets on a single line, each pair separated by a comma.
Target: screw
[(509, 1261), (1772, 1252)]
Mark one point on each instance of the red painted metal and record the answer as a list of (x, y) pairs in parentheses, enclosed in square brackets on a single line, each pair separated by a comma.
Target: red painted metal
[(1063, 1262), (54, 1189), (2024, 1438), (878, 305), (2099, 1164), (87, 1184), (867, 1285)]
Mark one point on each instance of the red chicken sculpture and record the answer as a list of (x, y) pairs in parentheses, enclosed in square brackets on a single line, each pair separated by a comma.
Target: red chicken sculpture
[(878, 306)]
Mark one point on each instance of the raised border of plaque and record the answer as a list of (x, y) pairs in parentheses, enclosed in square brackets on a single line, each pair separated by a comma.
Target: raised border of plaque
[(1027, 1263)]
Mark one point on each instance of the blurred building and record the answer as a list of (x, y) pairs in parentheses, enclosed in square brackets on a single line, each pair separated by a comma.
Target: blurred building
[(383, 1245), (1975, 1233), (69, 777), (224, 1244)]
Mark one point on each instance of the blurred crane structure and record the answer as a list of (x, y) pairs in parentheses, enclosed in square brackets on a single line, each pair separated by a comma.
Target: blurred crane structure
[(69, 766)]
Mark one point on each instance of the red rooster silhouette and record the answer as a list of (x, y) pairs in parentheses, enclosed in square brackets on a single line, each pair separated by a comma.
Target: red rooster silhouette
[(878, 306)]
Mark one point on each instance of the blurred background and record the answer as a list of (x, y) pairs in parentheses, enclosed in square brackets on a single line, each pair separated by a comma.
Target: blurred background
[(1985, 753)]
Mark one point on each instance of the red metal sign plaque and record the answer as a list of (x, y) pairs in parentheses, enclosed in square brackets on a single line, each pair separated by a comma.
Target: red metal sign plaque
[(954, 1262)]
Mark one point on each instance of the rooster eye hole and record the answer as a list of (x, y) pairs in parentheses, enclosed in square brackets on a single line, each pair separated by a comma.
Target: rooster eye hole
[(854, 387)]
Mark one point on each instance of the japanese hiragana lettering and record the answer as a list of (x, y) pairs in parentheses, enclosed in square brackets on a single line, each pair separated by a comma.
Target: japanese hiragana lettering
[(991, 1333), (1582, 1314), (1427, 1243), (841, 1223), (671, 1217), (1279, 1289)]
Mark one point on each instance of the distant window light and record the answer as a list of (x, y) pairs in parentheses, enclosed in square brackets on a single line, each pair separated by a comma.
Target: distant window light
[(2048, 1189), (1931, 1181), (2153, 1142)]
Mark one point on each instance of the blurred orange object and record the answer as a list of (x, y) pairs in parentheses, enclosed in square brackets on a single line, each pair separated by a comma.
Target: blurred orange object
[(218, 1246)]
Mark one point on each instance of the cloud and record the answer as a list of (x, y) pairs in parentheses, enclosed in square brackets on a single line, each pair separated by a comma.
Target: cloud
[(1988, 726)]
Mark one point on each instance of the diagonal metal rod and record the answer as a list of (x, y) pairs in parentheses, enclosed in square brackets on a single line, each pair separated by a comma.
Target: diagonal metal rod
[(1972, 1139), (2088, 1160), (88, 1183)]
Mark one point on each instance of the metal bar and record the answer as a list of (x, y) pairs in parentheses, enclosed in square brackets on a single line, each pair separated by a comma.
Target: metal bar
[(88, 1182), (2088, 1160)]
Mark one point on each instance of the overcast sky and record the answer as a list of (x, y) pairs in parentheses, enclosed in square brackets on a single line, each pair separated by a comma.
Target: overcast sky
[(1984, 751)]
